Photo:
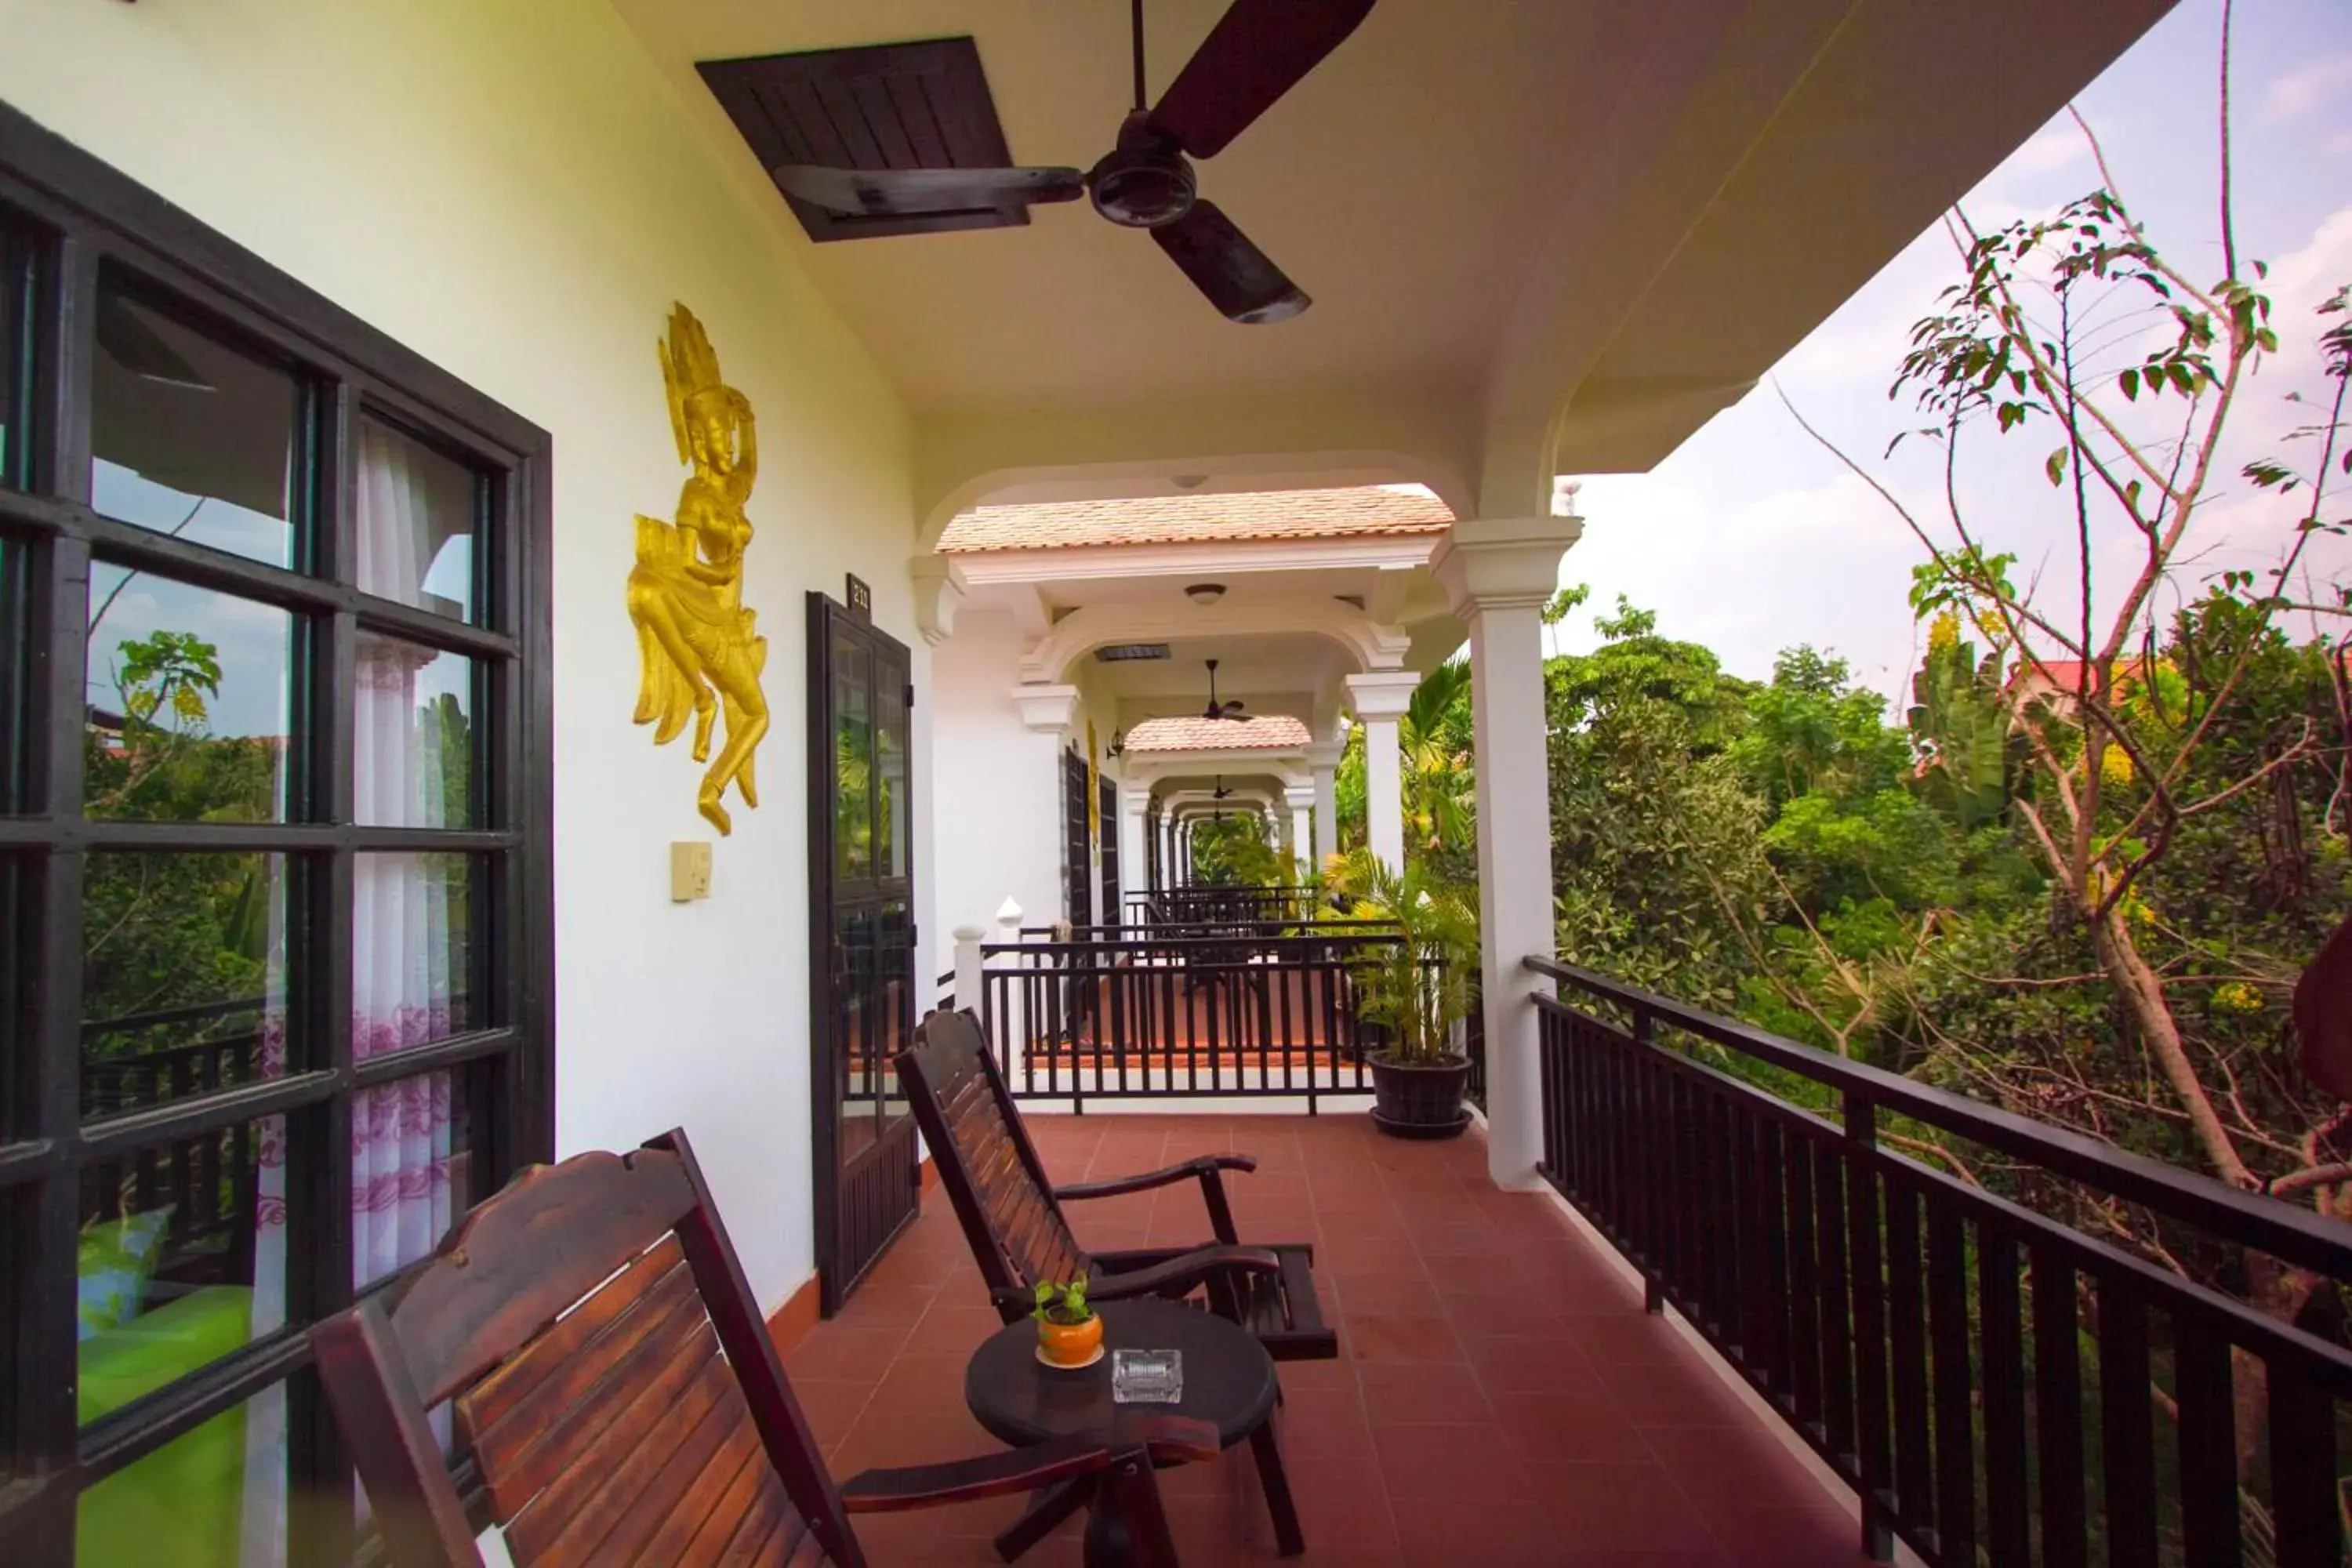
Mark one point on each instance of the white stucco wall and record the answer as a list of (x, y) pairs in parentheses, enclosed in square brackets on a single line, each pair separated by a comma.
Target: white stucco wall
[(998, 790), (509, 188)]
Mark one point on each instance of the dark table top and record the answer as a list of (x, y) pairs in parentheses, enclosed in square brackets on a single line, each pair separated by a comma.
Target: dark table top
[(1228, 1377)]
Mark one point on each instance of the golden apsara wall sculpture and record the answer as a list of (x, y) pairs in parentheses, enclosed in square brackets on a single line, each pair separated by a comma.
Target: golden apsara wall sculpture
[(702, 657)]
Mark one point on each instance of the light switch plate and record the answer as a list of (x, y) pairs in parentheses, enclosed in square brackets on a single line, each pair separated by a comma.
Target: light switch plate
[(690, 871)]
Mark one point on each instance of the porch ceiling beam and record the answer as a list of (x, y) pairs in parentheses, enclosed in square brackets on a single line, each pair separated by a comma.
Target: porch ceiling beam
[(1371, 644)]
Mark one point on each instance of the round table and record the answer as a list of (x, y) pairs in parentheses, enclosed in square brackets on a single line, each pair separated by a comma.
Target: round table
[(1229, 1383)]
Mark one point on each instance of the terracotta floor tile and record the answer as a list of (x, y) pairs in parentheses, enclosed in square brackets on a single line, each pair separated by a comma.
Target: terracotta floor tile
[(1395, 1336), (1402, 1392), (1562, 1427)]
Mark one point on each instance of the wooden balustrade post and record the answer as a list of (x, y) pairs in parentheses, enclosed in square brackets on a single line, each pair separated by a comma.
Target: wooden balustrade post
[(1873, 1456)]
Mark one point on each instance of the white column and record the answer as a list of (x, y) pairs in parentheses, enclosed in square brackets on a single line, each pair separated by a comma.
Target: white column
[(1499, 572), (1324, 758), (1379, 698), (1300, 798), (1132, 800), (1047, 713)]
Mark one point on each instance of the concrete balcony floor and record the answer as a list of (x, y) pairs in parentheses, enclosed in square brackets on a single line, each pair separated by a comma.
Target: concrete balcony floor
[(1501, 1397)]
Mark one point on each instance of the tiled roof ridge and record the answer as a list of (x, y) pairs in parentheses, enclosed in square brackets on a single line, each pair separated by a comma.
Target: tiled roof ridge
[(1357, 511), (1193, 733)]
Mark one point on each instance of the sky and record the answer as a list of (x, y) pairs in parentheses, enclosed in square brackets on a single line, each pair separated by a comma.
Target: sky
[(1752, 538)]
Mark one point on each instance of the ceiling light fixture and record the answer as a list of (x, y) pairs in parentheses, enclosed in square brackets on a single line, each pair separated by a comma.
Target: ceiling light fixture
[(1205, 592), (1189, 481)]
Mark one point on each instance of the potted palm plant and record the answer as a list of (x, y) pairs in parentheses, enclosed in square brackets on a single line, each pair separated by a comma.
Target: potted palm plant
[(1412, 991)]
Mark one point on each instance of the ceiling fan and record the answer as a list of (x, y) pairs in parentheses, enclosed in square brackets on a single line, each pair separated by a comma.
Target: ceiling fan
[(1258, 50), (1221, 792), (1229, 710)]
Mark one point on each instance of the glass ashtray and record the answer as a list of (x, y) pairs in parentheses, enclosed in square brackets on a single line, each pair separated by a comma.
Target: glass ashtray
[(1147, 1377)]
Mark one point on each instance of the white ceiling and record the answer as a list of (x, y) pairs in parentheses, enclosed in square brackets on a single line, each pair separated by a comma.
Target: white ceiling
[(1541, 235)]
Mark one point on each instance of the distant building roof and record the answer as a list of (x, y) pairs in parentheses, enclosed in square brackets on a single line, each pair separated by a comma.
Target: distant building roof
[(1361, 511), (1272, 732)]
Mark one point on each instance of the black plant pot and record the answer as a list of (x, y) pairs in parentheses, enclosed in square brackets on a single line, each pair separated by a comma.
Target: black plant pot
[(1414, 1099)]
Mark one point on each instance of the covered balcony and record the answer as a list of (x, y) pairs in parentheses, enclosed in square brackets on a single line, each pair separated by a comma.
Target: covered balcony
[(394, 400)]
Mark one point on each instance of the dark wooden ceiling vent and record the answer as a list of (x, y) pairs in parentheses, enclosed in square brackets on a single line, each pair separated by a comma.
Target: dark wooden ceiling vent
[(880, 106)]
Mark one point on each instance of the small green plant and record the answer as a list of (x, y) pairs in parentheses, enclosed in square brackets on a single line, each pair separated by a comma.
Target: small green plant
[(1063, 1304), (1417, 987)]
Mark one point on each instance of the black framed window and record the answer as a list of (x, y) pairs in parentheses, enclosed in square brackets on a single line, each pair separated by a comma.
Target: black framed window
[(275, 944)]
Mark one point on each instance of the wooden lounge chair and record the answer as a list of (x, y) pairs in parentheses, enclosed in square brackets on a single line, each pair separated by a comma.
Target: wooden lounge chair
[(1012, 1214), (614, 1382)]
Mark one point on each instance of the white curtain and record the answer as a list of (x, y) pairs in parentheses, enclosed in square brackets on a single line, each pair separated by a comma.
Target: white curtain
[(402, 987)]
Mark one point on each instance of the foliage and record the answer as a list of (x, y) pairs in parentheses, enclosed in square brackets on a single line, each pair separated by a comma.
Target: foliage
[(1438, 775), (1418, 987), (1235, 851), (1061, 1303)]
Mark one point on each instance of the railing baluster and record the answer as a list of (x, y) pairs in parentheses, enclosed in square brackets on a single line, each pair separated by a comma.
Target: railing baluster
[(1836, 1306), (2058, 1413), (1948, 1327), (2007, 1516), (2209, 1448), (2303, 1505), (2126, 1436), (1872, 1443), (1906, 1325), (1805, 1284)]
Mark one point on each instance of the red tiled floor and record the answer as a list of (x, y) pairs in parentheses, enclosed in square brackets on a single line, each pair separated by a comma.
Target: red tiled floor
[(1500, 1399)]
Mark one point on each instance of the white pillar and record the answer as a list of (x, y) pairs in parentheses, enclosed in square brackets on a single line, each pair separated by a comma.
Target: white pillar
[(1047, 713), (1300, 798), (1379, 698), (1499, 572), (1324, 758), (1132, 800), (966, 967)]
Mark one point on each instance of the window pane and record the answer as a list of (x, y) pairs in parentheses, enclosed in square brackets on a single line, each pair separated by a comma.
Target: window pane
[(892, 803), (16, 345), (190, 701), (184, 986), (14, 669), (190, 436), (216, 1495), (411, 955), (416, 522), (182, 1260), (853, 761), (413, 1172), (17, 959), (413, 713)]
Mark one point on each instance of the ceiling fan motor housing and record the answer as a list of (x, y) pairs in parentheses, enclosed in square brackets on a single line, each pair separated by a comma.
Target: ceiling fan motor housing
[(1144, 182)]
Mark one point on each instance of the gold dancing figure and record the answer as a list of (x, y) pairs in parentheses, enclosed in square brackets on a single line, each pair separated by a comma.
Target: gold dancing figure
[(700, 652)]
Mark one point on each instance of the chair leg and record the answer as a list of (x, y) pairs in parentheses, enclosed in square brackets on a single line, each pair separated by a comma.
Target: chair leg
[(1044, 1515), (1287, 1536)]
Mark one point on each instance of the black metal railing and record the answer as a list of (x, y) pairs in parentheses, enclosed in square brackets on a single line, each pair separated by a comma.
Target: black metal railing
[(1995, 1385), (1225, 906), (1260, 1012)]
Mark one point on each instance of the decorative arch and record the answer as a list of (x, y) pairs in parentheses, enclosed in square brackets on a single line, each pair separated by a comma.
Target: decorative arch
[(1373, 645)]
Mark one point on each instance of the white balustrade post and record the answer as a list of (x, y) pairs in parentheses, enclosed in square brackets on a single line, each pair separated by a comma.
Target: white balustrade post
[(1300, 798), (1379, 698), (1133, 799), (967, 967), (1324, 759), (1499, 574)]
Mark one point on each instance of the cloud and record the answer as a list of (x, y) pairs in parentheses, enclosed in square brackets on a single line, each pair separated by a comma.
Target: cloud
[(2308, 87), (2058, 145)]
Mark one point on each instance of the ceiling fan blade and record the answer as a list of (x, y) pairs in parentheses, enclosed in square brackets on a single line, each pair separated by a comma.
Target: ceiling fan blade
[(907, 192), (1258, 50), (1222, 264)]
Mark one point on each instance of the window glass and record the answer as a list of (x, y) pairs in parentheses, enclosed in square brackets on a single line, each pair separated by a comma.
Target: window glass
[(16, 962), (183, 983), (413, 717), (216, 1494), (892, 795), (853, 758), (182, 1260), (415, 520), (15, 751), (411, 952), (413, 1172), (190, 695), (190, 436), (16, 345)]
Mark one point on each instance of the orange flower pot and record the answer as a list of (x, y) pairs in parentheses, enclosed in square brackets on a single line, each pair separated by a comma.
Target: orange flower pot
[(1069, 1344)]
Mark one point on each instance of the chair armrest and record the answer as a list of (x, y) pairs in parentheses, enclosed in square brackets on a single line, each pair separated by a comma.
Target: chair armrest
[(1183, 1272), (1202, 1165), (984, 1476)]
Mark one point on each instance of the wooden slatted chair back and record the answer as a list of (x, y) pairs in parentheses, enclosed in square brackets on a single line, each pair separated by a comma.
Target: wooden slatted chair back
[(609, 1373), (985, 1159)]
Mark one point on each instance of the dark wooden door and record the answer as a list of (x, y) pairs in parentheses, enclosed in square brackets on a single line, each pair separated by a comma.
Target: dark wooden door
[(1113, 895), (1077, 844), (862, 941)]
